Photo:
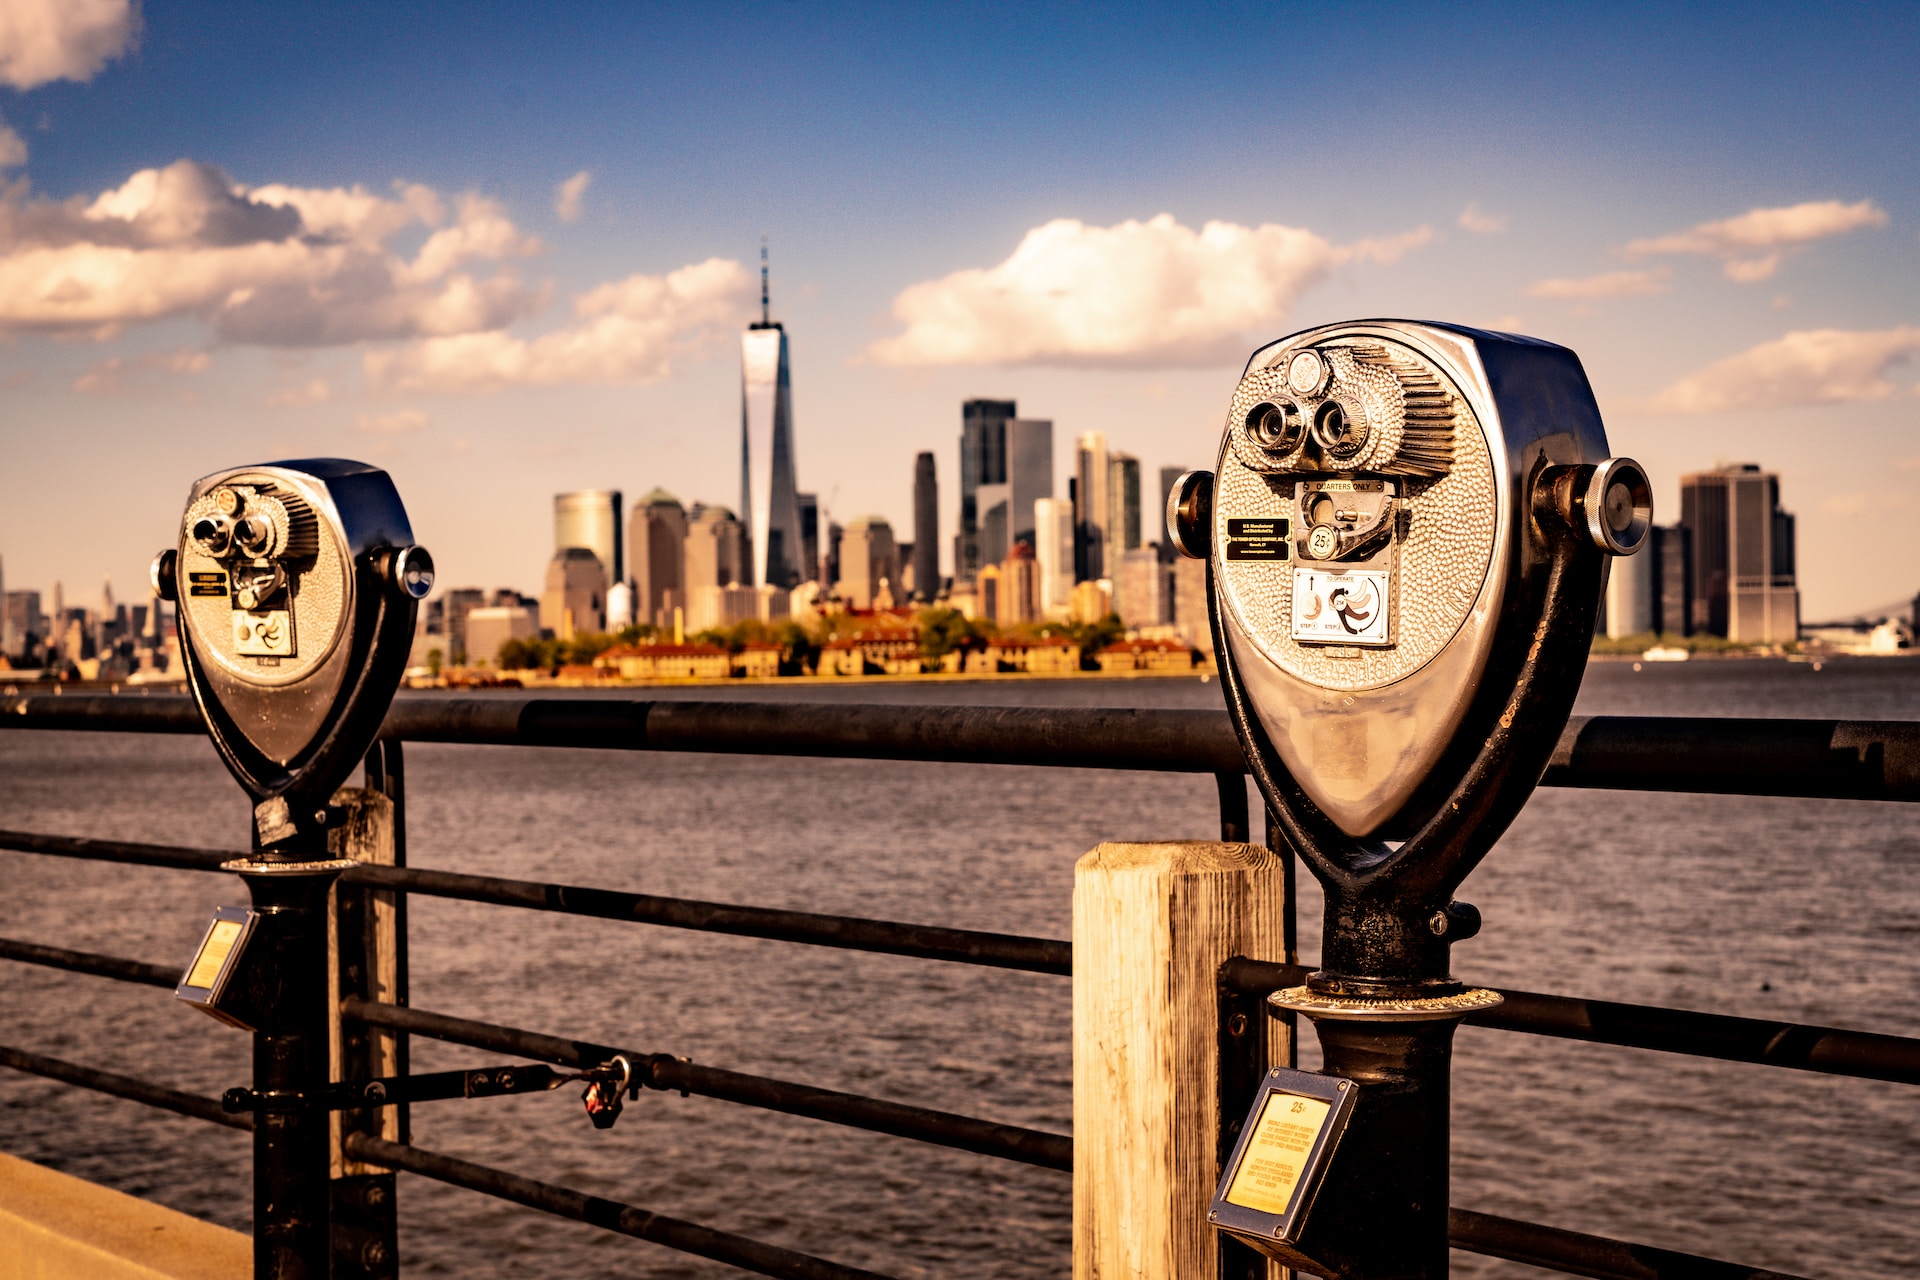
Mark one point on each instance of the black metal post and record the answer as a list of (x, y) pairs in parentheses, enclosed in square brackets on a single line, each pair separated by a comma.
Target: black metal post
[(288, 954), (1382, 1213)]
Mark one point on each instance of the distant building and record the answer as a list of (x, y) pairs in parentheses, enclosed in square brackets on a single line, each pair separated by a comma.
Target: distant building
[(1053, 554), (809, 504), (830, 564), (711, 607), (769, 496), (1091, 600), (867, 558), (1123, 506), (1143, 588), (758, 659), (590, 518), (658, 546), (1154, 522), (575, 600), (1742, 555), (983, 461), (619, 607), (456, 605), (1053, 655), (1190, 604), (25, 623), (926, 529), (491, 626), (1146, 655), (1671, 548), (1019, 586), (989, 597), (1004, 509), (666, 661), (1090, 506), (715, 549), (881, 646)]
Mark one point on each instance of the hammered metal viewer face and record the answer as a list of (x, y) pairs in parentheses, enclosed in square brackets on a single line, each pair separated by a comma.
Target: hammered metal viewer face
[(282, 574), (1360, 537)]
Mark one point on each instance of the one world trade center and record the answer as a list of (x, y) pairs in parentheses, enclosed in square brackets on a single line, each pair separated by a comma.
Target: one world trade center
[(769, 507)]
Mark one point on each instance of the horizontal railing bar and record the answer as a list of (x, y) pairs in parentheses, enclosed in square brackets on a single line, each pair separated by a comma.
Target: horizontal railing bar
[(1865, 1055), (856, 933), (665, 1072), (1836, 759), (176, 857), (1573, 1253), (609, 1215), (186, 1104), (115, 967), (1570, 1252), (925, 942)]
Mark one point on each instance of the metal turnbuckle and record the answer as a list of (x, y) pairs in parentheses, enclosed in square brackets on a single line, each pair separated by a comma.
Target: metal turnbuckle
[(605, 1085)]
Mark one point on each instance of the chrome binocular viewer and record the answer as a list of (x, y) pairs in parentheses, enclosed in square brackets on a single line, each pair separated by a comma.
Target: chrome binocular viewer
[(297, 586), (1406, 534)]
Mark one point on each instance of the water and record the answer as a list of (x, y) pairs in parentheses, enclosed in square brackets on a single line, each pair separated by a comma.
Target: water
[(1795, 909)]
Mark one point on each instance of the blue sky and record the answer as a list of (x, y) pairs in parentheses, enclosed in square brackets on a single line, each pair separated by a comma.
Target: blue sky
[(1578, 173)]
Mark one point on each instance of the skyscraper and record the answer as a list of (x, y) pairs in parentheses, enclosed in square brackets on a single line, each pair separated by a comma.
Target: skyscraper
[(714, 555), (926, 529), (1123, 507), (590, 518), (769, 501), (983, 461), (575, 600), (867, 558), (1091, 508), (659, 545), (1742, 555), (1053, 554), (1154, 522), (809, 504)]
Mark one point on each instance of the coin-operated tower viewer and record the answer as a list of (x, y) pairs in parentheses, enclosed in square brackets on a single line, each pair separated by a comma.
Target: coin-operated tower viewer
[(1406, 536), (297, 586)]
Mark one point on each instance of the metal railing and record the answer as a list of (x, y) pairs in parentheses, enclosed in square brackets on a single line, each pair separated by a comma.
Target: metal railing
[(1839, 759)]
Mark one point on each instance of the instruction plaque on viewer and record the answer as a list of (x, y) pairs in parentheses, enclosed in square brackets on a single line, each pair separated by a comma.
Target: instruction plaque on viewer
[(1284, 1148)]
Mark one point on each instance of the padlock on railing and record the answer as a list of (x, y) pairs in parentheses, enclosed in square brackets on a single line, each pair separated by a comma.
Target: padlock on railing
[(608, 1087)]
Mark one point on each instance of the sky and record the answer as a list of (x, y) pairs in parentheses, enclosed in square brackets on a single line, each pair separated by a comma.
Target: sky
[(505, 251)]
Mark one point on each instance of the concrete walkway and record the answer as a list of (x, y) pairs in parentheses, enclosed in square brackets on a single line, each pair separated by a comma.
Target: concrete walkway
[(57, 1227)]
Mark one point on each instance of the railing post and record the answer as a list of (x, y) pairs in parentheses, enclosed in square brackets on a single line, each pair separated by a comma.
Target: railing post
[(289, 946), (368, 961), (1152, 924)]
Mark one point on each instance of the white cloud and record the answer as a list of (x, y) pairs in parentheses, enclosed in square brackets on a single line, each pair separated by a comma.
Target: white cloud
[(313, 391), (627, 331), (1611, 284), (1807, 367), (1751, 246), (13, 148), (1486, 224), (271, 265), (391, 424), (1151, 293), (567, 196), (46, 40)]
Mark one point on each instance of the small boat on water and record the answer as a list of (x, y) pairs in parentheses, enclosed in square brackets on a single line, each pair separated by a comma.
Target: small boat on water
[(1661, 653)]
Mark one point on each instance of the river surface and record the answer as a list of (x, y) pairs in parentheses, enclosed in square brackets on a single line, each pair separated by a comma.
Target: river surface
[(1802, 910)]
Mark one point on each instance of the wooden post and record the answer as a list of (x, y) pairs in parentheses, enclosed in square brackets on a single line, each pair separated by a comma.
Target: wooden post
[(1151, 925), (365, 945)]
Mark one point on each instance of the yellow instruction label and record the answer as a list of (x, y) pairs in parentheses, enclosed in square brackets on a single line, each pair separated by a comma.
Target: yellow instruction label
[(1269, 1172), (213, 953)]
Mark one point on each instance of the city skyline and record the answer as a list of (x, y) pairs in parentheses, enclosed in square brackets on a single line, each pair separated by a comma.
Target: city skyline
[(545, 301)]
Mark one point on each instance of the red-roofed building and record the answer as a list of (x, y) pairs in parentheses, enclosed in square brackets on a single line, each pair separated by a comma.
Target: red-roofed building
[(1146, 655), (666, 661)]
